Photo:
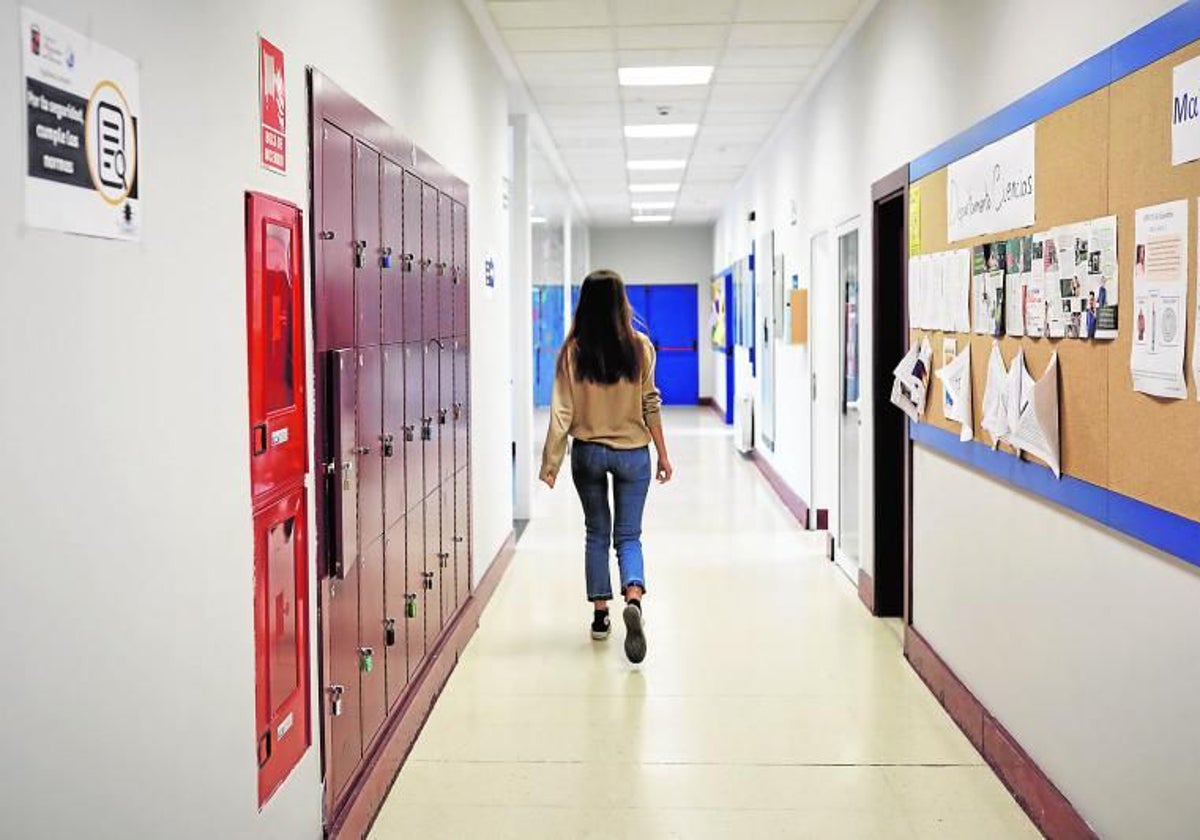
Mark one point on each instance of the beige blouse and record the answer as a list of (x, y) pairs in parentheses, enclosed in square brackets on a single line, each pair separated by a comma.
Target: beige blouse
[(618, 415)]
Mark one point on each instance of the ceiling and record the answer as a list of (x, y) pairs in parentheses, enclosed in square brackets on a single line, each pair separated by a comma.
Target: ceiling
[(568, 52)]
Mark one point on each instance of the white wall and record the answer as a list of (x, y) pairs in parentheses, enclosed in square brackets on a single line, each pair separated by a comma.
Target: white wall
[(663, 255), (125, 517), (917, 73)]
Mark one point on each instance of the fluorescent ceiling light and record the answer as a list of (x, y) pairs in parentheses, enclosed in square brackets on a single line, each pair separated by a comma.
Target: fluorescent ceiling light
[(655, 131), (537, 220), (653, 188), (653, 205), (646, 76), (652, 218), (656, 165)]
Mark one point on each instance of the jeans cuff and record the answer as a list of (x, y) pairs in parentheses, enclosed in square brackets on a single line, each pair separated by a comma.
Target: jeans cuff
[(607, 597), (639, 584)]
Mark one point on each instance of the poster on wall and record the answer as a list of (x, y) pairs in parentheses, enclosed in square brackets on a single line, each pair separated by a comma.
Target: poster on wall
[(1185, 113), (993, 189), (82, 133), (1160, 270), (716, 318), (272, 108)]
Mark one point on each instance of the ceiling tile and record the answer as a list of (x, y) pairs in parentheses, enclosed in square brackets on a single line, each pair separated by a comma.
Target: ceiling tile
[(784, 34), (694, 36), (762, 75), (640, 113), (667, 57), (550, 13), (772, 56), (641, 12), (558, 40), (573, 62), (751, 97), (769, 11), (581, 95), (560, 79), (715, 173), (665, 95)]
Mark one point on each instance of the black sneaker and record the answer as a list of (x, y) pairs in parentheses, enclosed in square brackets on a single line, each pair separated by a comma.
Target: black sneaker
[(600, 625), (635, 637)]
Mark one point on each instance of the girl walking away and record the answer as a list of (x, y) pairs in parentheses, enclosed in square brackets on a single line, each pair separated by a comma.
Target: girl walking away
[(606, 399)]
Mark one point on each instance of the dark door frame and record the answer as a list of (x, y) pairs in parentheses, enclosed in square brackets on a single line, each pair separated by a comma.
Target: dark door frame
[(891, 593)]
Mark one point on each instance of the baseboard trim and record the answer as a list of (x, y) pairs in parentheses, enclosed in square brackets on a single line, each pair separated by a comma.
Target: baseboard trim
[(866, 591), (1033, 790), (709, 402), (791, 500), (368, 792)]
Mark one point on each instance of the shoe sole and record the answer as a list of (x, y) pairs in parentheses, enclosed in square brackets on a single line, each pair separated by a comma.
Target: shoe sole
[(635, 637), (600, 637)]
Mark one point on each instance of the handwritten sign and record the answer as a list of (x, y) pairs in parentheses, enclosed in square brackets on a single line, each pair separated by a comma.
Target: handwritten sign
[(993, 189)]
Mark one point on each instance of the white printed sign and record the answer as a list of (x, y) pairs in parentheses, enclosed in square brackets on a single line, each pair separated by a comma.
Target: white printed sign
[(992, 190), (1185, 113), (81, 133)]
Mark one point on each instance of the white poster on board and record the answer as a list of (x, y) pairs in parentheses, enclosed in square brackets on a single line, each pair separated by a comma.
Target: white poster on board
[(992, 190), (81, 132), (1160, 276), (1185, 113)]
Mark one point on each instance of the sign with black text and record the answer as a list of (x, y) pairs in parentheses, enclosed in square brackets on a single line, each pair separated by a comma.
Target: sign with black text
[(81, 120), (1185, 113), (993, 189)]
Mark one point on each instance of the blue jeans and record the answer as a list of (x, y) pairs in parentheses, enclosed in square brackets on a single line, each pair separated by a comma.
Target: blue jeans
[(591, 464)]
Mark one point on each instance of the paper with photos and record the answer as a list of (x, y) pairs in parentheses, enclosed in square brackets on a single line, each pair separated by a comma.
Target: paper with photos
[(1035, 289)]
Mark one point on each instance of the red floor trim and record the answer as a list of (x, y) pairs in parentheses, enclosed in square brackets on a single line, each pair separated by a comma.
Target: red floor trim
[(1050, 811), (709, 402), (370, 789), (866, 591), (791, 500)]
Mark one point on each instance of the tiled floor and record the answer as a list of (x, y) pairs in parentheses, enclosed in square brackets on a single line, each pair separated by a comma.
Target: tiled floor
[(771, 704)]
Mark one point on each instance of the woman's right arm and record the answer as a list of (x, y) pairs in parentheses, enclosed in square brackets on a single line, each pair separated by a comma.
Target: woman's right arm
[(652, 414)]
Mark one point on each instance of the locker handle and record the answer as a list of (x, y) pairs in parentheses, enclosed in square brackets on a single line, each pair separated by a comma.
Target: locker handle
[(327, 235), (409, 433), (264, 749), (427, 579), (425, 263), (260, 438), (362, 450), (458, 539)]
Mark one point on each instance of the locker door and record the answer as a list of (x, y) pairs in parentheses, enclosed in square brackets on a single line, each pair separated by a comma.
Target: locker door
[(430, 311), (395, 627), (445, 266), (462, 272), (446, 426), (414, 410), (341, 475), (334, 281), (414, 593), (445, 553), (462, 535), (430, 430), (367, 276), (459, 407), (345, 727), (412, 257), (391, 250), (371, 647), (370, 449), (432, 572), (392, 443)]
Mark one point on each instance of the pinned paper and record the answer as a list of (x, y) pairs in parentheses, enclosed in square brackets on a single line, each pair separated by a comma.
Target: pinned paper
[(911, 384), (956, 380), (995, 412), (1037, 429)]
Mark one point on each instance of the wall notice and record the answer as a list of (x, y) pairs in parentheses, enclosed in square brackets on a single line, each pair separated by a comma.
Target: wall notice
[(272, 107), (914, 221), (1160, 275), (1185, 113), (82, 133), (992, 190)]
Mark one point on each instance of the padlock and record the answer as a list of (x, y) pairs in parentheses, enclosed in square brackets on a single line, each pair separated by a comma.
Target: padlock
[(427, 579), (409, 433), (346, 467), (385, 258), (360, 252), (426, 428), (410, 605), (366, 660), (389, 632), (442, 412), (389, 446), (335, 699)]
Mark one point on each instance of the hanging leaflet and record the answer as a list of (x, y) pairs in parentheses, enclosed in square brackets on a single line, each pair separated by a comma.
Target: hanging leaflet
[(1036, 431), (1160, 270), (82, 133), (911, 384), (992, 190), (955, 374)]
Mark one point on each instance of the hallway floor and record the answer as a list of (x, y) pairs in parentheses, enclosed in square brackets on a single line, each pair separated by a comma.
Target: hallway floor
[(771, 703)]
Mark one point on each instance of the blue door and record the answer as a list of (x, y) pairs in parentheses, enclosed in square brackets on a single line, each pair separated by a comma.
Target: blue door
[(673, 319), (548, 334)]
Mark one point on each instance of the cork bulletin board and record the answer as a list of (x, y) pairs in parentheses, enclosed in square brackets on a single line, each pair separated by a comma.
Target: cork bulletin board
[(1106, 153)]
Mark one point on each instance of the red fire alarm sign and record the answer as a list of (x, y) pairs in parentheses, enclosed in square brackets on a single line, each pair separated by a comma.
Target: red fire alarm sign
[(272, 106)]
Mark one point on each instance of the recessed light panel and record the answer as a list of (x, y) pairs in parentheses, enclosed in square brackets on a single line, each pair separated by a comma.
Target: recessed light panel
[(650, 219), (661, 130), (664, 76), (653, 188), (653, 205), (656, 165)]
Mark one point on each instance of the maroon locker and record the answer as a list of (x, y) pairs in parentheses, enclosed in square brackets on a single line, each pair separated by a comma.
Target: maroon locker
[(460, 404), (392, 443), (432, 577), (430, 430), (395, 625), (342, 690), (412, 258), (391, 240), (462, 272), (462, 535), (445, 553), (366, 245), (430, 282), (334, 278), (342, 462), (371, 628), (414, 411), (445, 267), (414, 593), (370, 449), (445, 417)]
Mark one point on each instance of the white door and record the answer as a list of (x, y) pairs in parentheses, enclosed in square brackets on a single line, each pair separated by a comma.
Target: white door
[(850, 417)]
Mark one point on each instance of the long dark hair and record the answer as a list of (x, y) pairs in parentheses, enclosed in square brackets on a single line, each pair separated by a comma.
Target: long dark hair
[(602, 342)]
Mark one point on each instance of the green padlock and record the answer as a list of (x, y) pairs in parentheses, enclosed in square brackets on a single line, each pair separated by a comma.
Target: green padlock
[(366, 660), (410, 607)]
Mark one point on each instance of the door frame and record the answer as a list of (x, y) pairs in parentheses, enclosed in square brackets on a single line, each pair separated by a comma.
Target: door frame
[(854, 224), (890, 448)]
